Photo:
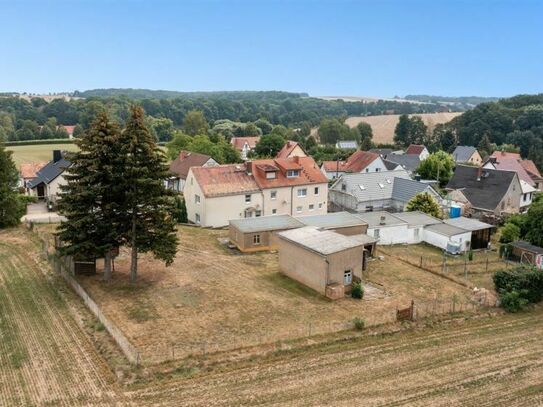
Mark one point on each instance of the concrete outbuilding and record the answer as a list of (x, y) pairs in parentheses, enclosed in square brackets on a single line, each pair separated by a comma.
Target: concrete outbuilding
[(344, 223), (448, 237), (386, 227), (325, 261), (480, 232)]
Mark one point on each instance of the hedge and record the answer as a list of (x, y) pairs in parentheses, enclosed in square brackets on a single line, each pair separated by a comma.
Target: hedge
[(38, 142), (522, 279)]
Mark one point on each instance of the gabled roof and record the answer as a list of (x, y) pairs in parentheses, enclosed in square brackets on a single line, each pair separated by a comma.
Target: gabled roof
[(512, 164), (408, 162), (521, 244), (186, 159), (239, 142), (30, 170), (405, 189), (288, 148), (531, 168), (309, 172), (347, 144), (505, 154), (359, 160), (415, 149), (390, 165), (369, 186), (323, 242), (483, 188), (463, 153), (223, 180), (49, 172), (333, 166)]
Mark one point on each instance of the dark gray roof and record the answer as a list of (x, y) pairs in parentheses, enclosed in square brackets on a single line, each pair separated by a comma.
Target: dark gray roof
[(484, 192), (405, 189), (463, 153), (266, 223), (445, 230), (521, 244), (409, 162), (383, 152), (390, 165), (49, 172), (331, 220)]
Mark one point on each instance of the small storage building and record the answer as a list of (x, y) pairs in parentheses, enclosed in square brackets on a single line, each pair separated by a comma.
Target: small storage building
[(447, 237), (527, 253), (320, 259), (480, 232), (416, 222), (255, 234), (344, 223), (386, 227)]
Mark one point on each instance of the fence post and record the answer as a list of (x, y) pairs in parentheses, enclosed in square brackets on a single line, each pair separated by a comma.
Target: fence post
[(486, 269), (420, 261), (465, 269)]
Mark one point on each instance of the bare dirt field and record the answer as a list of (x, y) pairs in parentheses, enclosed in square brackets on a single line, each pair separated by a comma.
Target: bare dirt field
[(212, 299), (383, 126), (47, 359)]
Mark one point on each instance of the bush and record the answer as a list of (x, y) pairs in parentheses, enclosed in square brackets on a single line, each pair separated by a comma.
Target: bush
[(357, 291), (358, 323), (523, 279), (513, 301)]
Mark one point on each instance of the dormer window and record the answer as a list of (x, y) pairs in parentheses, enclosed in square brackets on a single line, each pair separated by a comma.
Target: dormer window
[(293, 173), (271, 175)]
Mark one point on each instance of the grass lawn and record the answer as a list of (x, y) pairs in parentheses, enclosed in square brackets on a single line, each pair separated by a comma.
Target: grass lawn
[(213, 299), (37, 153)]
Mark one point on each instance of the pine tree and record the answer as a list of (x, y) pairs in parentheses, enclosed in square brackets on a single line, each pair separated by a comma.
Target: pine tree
[(148, 205), (12, 205), (92, 198)]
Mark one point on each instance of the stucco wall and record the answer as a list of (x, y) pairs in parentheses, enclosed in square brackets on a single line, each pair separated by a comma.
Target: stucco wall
[(53, 188), (390, 234), (287, 199), (441, 241)]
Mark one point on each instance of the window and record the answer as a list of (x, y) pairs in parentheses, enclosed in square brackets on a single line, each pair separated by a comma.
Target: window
[(381, 185), (197, 218), (320, 205), (256, 239), (367, 170), (299, 209), (362, 187), (270, 175), (197, 199), (302, 192), (377, 169), (292, 173), (191, 181), (344, 187), (316, 190), (273, 195), (347, 277), (258, 213), (274, 211), (369, 208), (248, 198), (376, 233), (311, 207)]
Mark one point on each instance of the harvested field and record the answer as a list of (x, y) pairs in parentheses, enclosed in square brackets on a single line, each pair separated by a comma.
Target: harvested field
[(37, 153), (212, 299), (383, 126), (45, 356)]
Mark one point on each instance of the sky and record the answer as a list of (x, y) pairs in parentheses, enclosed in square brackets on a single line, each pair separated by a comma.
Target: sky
[(325, 48)]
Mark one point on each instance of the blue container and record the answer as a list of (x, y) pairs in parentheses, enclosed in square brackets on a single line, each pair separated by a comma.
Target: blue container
[(455, 212)]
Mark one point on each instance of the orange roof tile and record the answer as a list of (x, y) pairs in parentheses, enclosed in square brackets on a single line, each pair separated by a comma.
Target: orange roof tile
[(331, 166), (415, 149), (287, 149), (359, 160), (530, 166), (505, 154), (221, 180), (309, 172), (29, 170), (239, 142)]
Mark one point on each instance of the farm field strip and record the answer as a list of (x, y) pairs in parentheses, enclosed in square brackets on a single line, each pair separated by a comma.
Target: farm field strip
[(46, 357)]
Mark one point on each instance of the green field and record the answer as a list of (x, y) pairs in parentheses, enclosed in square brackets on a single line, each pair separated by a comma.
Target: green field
[(37, 153)]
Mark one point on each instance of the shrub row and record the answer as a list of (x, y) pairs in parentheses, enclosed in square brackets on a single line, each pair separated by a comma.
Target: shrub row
[(39, 142), (519, 286)]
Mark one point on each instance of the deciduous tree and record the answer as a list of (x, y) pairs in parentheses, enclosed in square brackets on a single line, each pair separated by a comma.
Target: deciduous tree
[(426, 203)]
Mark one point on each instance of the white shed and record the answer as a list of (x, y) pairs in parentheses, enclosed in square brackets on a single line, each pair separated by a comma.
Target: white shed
[(441, 234), (416, 221), (386, 227)]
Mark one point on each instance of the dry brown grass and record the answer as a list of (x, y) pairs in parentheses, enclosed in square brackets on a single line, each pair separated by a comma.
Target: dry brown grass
[(383, 126), (212, 299)]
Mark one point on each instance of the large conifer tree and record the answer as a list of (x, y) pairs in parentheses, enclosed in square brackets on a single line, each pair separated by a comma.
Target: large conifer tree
[(12, 205), (148, 204), (93, 197)]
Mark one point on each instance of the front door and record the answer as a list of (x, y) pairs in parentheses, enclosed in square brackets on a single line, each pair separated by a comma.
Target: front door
[(347, 277), (41, 191)]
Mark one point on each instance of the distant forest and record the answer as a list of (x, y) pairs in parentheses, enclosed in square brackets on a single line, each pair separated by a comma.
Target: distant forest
[(24, 120), (465, 101)]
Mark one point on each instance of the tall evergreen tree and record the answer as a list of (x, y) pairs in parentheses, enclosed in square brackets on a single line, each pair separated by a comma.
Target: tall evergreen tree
[(148, 205), (93, 196), (12, 205)]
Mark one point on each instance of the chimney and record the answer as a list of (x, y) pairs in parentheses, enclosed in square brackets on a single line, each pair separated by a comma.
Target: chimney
[(382, 220), (249, 167), (57, 155), (479, 173)]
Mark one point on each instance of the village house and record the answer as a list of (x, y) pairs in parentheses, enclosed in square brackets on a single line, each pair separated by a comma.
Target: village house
[(359, 161), (419, 150), (325, 261), (291, 149), (527, 171), (46, 184), (409, 163), (483, 191), (467, 155), (244, 145), (179, 168), (366, 192), (216, 195), (28, 172)]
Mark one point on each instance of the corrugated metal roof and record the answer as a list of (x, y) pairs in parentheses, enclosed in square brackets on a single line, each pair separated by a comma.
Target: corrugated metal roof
[(468, 223), (446, 230), (265, 223), (331, 220), (417, 218), (373, 219), (321, 241)]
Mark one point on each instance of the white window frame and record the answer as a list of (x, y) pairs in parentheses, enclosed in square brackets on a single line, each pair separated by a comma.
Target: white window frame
[(274, 211), (273, 195), (256, 239), (302, 192), (197, 199), (299, 209), (293, 173), (347, 277), (250, 198), (197, 218)]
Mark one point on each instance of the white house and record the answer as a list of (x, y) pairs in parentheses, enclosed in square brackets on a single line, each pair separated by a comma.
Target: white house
[(244, 145), (419, 150), (179, 168), (46, 185), (358, 162)]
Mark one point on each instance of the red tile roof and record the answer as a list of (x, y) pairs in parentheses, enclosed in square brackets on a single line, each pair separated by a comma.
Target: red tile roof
[(415, 149), (239, 142), (287, 149), (530, 166), (186, 159), (222, 180), (309, 172), (69, 129), (359, 160), (332, 166), (29, 170), (505, 154), (513, 164)]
